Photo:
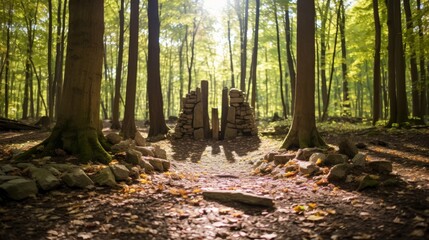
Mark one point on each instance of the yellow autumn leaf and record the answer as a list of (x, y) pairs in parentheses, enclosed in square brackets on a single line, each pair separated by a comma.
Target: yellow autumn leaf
[(299, 208), (290, 174), (145, 181), (315, 218), (196, 190), (312, 205)]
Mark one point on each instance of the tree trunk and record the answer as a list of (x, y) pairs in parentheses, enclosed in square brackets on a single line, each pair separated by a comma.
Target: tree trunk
[(303, 132), (253, 74), (423, 81), (78, 128), (129, 126), (413, 60), (7, 61), (342, 25), (323, 47), (279, 58), (231, 62), (118, 78), (243, 41), (391, 64), (157, 120), (376, 73), (50, 77), (290, 62)]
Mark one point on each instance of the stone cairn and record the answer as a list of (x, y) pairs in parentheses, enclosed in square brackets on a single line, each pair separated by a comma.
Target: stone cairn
[(240, 119), (237, 116)]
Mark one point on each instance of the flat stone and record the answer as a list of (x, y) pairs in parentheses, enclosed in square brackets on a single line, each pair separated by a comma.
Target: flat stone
[(120, 171), (381, 166), (339, 172), (198, 116), (105, 177), (6, 178), (231, 115), (123, 146), (159, 152), (307, 168), (367, 181), (146, 151), (230, 133), (25, 165), (132, 156), (269, 157), (61, 166), (359, 160), (156, 163), (8, 168), (113, 138), (19, 189), (283, 158), (54, 171), (77, 178), (318, 158), (146, 165), (44, 178), (139, 139), (334, 159), (348, 148), (305, 153), (236, 100)]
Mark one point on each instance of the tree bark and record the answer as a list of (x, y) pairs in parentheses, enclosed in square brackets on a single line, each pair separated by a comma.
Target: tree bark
[(231, 62), (118, 78), (50, 77), (279, 58), (129, 126), (391, 64), (342, 25), (7, 61), (423, 78), (157, 119), (376, 72), (290, 61), (253, 74), (303, 132)]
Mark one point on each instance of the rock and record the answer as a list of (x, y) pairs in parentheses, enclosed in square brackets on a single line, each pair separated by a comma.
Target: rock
[(61, 166), (199, 134), (231, 115), (334, 159), (123, 146), (236, 196), (230, 133), (60, 152), (76, 177), (305, 154), (105, 177), (139, 139), (348, 148), (2, 173), (113, 138), (135, 172), (269, 157), (145, 151), (381, 166), (367, 181), (166, 165), (120, 171), (44, 178), (258, 163), (339, 172), (18, 189), (54, 171), (361, 145), (292, 166), (307, 168), (266, 168), (132, 156), (283, 158), (318, 159), (7, 178), (159, 152), (391, 182), (198, 116), (359, 160), (156, 164), (146, 165), (8, 168), (25, 165)]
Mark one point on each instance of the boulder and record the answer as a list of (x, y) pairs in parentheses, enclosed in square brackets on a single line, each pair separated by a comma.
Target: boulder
[(305, 154), (318, 159), (139, 139), (123, 146), (120, 171), (113, 138), (159, 152), (156, 164), (146, 151), (76, 177), (359, 160), (348, 148), (283, 158), (307, 168), (148, 168), (44, 178), (133, 157), (20, 188), (334, 159), (339, 172), (105, 177), (381, 166)]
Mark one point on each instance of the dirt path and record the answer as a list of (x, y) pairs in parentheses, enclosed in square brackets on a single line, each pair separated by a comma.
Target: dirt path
[(170, 205)]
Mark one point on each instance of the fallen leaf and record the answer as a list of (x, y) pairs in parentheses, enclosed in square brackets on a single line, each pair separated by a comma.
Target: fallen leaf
[(315, 218), (85, 235), (268, 236)]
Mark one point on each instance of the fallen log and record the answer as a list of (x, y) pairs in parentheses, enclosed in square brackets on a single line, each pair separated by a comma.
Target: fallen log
[(9, 124), (237, 196)]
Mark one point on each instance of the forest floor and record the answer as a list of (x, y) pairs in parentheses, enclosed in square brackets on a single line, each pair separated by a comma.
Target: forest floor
[(170, 205)]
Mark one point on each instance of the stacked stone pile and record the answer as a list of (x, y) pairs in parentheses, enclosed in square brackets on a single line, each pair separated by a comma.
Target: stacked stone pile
[(190, 121), (240, 116)]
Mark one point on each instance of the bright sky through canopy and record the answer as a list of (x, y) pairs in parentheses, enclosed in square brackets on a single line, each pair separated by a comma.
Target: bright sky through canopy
[(215, 7)]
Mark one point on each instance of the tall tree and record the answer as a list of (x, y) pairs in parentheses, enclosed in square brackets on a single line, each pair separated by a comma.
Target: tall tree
[(423, 77), (156, 115), (118, 78), (280, 63), (290, 62), (303, 132), (231, 61), (7, 59), (342, 26), (129, 126), (50, 76), (254, 64), (324, 12), (78, 129), (243, 23), (376, 72), (58, 85)]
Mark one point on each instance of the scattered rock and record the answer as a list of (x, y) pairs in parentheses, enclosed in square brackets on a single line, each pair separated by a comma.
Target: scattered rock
[(334, 159), (19, 189), (105, 177), (44, 178), (113, 138), (367, 181), (120, 171), (54, 171), (339, 172), (283, 158), (76, 177), (139, 139), (307, 168), (305, 154), (123, 146), (61, 166), (156, 163), (133, 156), (236, 196), (359, 160), (318, 159), (391, 182), (6, 178), (381, 166), (348, 148), (25, 165), (361, 145), (269, 157), (135, 172), (8, 168), (159, 152), (148, 168), (145, 151)]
